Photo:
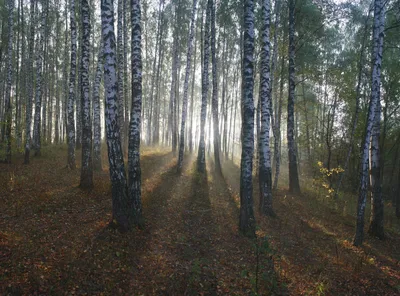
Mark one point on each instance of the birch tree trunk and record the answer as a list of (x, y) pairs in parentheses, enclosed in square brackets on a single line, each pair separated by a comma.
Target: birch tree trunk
[(134, 182), (376, 219), (246, 219), (173, 86), (126, 88), (65, 77), (201, 157), (294, 186), (265, 170), (8, 111), (120, 71), (71, 95), (378, 32), (121, 205), (185, 87), (87, 165), (190, 133), (96, 112), (29, 97), (217, 161), (38, 95)]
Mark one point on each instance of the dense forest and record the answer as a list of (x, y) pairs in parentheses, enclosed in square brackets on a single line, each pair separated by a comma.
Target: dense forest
[(203, 147)]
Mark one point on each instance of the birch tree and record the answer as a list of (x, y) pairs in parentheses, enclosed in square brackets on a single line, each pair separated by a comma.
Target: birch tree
[(120, 72), (246, 219), (29, 97), (172, 121), (87, 165), (8, 111), (121, 206), (96, 112), (38, 94), (185, 87), (214, 101), (265, 170), (201, 158), (71, 95), (294, 185), (378, 33), (134, 182)]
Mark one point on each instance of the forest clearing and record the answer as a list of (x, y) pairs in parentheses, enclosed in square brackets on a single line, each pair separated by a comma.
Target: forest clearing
[(199, 147), (55, 239)]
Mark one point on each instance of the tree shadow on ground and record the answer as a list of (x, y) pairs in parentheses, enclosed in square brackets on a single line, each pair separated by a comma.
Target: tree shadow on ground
[(195, 244)]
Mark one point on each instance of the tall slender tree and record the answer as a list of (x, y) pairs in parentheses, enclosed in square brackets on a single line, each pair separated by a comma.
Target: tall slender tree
[(175, 56), (294, 185), (87, 165), (186, 86), (246, 220), (8, 111), (134, 182), (96, 112), (378, 33), (71, 95), (217, 161), (121, 206), (201, 158), (29, 97), (120, 72), (39, 90), (265, 170)]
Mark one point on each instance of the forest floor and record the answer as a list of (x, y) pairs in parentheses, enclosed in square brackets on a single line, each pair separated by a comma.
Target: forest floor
[(55, 239)]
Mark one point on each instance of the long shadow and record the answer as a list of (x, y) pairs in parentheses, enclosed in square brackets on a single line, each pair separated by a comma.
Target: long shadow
[(195, 244), (107, 256), (316, 255), (228, 169)]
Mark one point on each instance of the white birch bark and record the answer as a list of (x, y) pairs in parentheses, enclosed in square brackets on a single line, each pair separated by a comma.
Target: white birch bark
[(201, 157), (134, 181), (87, 164), (265, 170), (8, 110), (29, 97), (246, 219), (214, 100), (96, 112), (71, 95), (38, 94), (120, 202), (378, 33), (185, 87)]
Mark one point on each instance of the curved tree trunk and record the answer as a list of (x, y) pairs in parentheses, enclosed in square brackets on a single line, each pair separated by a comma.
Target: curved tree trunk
[(379, 22)]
